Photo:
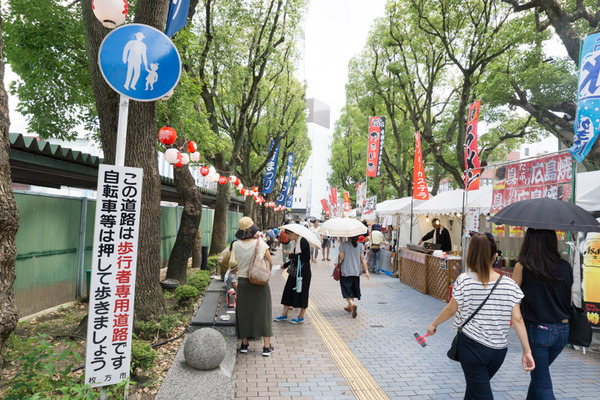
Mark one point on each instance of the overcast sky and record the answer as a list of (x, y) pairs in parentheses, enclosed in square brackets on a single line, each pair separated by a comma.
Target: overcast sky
[(336, 30)]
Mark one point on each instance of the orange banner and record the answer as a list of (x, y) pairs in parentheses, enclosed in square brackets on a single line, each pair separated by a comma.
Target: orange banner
[(347, 205), (472, 165), (325, 207), (420, 190)]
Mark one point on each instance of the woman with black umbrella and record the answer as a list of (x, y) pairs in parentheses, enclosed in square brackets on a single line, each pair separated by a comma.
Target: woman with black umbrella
[(546, 281)]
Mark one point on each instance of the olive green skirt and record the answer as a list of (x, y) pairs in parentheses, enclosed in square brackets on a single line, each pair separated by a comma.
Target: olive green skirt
[(253, 310)]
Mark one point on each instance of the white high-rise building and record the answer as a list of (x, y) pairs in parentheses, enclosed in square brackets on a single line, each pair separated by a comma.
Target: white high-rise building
[(312, 185)]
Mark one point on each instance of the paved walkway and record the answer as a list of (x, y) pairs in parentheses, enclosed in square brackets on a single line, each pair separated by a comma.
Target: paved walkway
[(375, 356)]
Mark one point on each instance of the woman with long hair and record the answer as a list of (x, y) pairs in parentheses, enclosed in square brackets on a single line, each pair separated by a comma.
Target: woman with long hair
[(352, 259), (546, 280), (483, 341)]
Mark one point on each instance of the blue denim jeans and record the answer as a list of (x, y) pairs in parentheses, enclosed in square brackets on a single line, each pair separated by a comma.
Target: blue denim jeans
[(374, 267), (479, 363), (546, 341)]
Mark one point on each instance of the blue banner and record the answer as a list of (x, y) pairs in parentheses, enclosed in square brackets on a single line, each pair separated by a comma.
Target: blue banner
[(178, 16), (587, 120), (286, 181), (271, 170), (290, 200)]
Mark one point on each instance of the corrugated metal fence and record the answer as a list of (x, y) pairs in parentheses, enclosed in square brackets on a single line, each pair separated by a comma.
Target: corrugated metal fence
[(54, 245)]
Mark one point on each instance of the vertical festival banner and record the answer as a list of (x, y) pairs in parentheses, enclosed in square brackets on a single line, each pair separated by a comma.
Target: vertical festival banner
[(286, 181), (178, 16), (375, 146), (472, 165), (290, 199), (586, 123), (370, 205), (325, 207), (347, 205), (420, 190), (271, 169), (112, 286)]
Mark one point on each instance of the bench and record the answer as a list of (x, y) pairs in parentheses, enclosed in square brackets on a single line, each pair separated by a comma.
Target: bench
[(212, 307)]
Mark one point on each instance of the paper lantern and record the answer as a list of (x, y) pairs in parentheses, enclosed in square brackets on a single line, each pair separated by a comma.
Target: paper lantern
[(167, 135), (222, 180), (204, 170), (237, 182), (232, 178), (239, 186), (215, 177), (192, 147), (255, 189), (171, 155), (185, 158), (243, 191), (111, 13), (195, 157)]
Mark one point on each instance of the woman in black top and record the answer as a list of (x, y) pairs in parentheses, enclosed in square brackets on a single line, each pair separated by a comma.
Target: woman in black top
[(546, 281), (290, 297)]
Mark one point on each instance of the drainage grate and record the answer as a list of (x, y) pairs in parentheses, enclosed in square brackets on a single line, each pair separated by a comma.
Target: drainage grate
[(376, 326), (382, 302)]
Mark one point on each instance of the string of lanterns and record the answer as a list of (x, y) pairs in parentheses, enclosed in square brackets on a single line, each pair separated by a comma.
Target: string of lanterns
[(168, 136)]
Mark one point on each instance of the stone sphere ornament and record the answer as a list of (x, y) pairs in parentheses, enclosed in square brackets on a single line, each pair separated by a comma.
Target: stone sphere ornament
[(111, 13), (204, 349), (167, 135)]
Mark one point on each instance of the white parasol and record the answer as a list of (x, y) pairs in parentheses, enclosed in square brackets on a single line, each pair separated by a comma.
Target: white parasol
[(305, 233), (343, 227)]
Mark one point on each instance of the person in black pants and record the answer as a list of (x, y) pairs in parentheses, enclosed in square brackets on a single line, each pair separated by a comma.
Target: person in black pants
[(439, 234)]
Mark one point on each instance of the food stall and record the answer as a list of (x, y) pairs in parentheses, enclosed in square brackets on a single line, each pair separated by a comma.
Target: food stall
[(427, 273)]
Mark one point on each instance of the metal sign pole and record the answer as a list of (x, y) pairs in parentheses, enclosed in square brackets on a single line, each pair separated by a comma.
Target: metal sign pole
[(122, 131)]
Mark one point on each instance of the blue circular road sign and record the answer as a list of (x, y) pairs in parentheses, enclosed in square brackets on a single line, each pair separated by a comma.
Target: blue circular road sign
[(139, 62)]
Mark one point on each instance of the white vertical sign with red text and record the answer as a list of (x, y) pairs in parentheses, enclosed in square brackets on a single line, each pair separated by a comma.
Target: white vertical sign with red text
[(112, 290)]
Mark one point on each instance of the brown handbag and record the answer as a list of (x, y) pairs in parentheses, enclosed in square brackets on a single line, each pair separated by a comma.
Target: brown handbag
[(258, 271)]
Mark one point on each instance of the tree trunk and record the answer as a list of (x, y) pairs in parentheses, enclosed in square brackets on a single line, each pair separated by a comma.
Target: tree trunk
[(141, 153), (190, 221), (9, 222), (197, 251), (219, 233)]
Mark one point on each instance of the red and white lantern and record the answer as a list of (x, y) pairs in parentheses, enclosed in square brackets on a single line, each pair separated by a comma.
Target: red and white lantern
[(111, 13), (222, 180), (237, 182), (232, 178), (185, 158), (255, 189), (204, 170), (243, 191), (172, 156), (167, 135), (215, 177), (192, 147)]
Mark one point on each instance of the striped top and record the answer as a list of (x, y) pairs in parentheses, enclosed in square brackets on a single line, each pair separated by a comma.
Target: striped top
[(491, 324)]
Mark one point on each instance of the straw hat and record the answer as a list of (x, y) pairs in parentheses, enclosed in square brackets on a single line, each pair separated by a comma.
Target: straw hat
[(247, 229)]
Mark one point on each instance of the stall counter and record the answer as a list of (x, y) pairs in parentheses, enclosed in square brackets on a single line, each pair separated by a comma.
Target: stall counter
[(428, 274)]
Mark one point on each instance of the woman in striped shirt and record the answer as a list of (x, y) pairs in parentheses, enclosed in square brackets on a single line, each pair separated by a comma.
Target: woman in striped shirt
[(483, 341)]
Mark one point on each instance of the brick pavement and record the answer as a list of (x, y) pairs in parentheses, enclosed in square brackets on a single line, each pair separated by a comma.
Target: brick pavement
[(381, 337)]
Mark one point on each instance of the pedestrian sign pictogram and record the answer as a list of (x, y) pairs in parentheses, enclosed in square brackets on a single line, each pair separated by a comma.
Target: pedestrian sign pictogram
[(139, 62)]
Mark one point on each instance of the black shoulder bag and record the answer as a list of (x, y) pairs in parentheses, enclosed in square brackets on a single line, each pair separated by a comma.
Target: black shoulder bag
[(453, 352)]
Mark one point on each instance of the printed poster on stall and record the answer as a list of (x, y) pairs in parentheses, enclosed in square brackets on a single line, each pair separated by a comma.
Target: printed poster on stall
[(591, 280), (516, 232), (548, 176), (112, 288), (498, 230), (472, 219)]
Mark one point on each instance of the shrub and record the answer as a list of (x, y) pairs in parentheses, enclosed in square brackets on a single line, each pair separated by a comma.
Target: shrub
[(153, 329), (199, 280), (185, 293), (143, 356), (212, 263)]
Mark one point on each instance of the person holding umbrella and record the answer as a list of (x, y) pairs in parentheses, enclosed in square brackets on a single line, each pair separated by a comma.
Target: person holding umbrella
[(546, 280), (352, 260), (300, 263)]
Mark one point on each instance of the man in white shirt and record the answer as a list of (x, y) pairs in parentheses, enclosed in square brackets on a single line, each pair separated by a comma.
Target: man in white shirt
[(314, 228), (376, 239)]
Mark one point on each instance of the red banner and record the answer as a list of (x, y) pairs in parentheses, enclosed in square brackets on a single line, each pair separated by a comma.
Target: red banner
[(472, 165), (325, 207), (544, 177), (347, 205), (333, 197), (375, 146), (420, 190)]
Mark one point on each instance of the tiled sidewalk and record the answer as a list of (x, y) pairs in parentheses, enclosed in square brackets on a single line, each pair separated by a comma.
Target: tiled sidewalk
[(381, 337)]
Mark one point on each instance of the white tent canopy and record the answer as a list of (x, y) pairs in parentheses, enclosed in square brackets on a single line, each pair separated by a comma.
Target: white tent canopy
[(587, 193), (448, 203), (396, 206)]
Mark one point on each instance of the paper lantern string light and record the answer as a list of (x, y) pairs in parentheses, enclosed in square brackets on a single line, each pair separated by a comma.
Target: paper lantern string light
[(111, 13)]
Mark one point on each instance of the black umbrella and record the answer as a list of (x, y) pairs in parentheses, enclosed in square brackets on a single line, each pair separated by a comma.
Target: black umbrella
[(547, 213)]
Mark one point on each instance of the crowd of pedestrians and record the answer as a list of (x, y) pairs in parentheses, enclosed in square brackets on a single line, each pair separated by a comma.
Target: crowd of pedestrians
[(484, 304)]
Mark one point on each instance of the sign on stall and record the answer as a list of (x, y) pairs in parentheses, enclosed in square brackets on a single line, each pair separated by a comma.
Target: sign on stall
[(472, 221), (370, 206), (112, 289), (498, 230)]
